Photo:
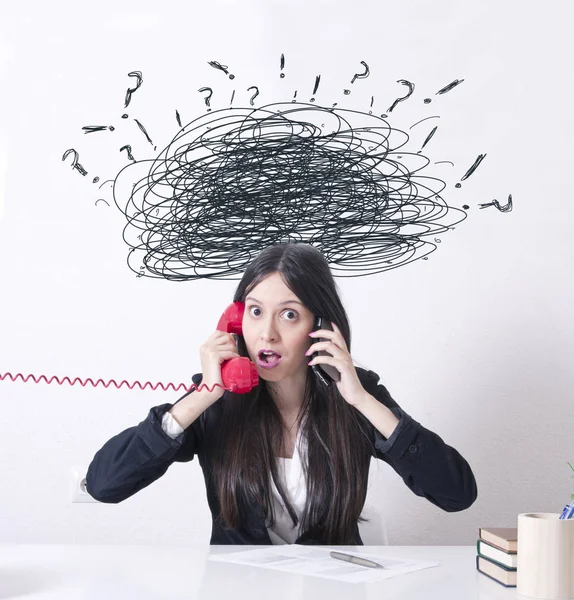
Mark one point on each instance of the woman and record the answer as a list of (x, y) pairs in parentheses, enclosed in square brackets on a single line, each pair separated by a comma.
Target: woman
[(287, 462)]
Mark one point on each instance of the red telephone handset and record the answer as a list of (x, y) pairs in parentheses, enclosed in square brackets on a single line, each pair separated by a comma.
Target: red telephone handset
[(239, 375)]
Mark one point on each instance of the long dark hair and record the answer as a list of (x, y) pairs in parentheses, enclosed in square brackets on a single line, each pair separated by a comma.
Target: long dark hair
[(251, 436)]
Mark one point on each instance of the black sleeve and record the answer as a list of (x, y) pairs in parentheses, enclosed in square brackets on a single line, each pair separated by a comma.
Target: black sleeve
[(136, 457), (430, 467)]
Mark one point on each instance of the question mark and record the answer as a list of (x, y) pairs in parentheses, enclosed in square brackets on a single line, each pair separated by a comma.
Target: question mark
[(505, 208), (411, 87), (75, 164), (253, 87), (207, 98), (128, 148), (138, 76), (221, 67), (362, 75)]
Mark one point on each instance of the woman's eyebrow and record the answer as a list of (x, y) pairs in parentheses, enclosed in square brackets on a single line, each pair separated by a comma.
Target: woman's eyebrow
[(280, 303)]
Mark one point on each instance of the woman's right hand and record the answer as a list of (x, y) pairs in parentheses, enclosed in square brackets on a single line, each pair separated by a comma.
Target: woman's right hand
[(217, 348)]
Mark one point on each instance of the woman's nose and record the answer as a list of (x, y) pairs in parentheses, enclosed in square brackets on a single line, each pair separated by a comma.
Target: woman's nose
[(268, 330)]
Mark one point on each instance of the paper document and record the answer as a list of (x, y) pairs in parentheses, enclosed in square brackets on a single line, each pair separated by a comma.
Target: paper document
[(301, 559)]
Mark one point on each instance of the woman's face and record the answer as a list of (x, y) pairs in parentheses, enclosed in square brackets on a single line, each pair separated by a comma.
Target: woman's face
[(275, 320)]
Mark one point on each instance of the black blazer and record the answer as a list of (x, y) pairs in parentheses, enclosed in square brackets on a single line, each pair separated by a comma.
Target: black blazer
[(136, 457)]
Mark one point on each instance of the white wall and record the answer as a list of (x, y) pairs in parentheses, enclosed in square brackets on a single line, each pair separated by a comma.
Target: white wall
[(475, 343)]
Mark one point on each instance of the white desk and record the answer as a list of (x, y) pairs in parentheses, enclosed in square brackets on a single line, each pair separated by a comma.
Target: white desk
[(42, 572)]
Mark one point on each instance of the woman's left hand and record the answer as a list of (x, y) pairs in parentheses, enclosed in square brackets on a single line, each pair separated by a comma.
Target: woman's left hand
[(349, 386)]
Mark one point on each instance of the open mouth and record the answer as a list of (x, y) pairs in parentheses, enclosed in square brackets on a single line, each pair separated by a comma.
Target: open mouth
[(268, 359)]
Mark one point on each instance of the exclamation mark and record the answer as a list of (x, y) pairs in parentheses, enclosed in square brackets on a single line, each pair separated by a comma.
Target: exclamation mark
[(317, 81)]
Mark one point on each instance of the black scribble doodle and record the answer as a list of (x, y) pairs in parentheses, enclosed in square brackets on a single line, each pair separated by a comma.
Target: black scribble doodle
[(506, 208), (449, 87), (411, 87), (429, 137), (125, 116), (427, 100), (75, 164), (143, 129), (95, 180), (254, 87), (207, 98), (472, 169), (236, 180), (95, 128), (104, 182), (362, 75), (282, 75), (422, 120), (128, 149), (232, 96), (317, 81), (219, 67), (130, 91)]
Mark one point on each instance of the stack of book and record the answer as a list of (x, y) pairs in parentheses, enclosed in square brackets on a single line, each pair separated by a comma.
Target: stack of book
[(497, 554)]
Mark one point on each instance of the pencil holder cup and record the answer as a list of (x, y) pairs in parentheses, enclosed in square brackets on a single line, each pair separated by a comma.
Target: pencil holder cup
[(545, 556)]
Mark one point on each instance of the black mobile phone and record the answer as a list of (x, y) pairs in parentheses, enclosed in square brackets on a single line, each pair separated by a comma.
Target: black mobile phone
[(325, 373)]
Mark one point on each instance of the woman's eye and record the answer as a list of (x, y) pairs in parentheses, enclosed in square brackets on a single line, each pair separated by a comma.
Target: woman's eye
[(290, 315)]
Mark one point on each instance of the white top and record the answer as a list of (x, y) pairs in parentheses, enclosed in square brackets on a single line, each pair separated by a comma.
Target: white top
[(292, 477)]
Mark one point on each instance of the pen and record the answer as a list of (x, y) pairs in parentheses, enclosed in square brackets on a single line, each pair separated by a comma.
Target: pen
[(356, 560), (568, 511)]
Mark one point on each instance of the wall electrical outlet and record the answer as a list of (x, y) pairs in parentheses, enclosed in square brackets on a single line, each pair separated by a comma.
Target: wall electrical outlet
[(78, 491)]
